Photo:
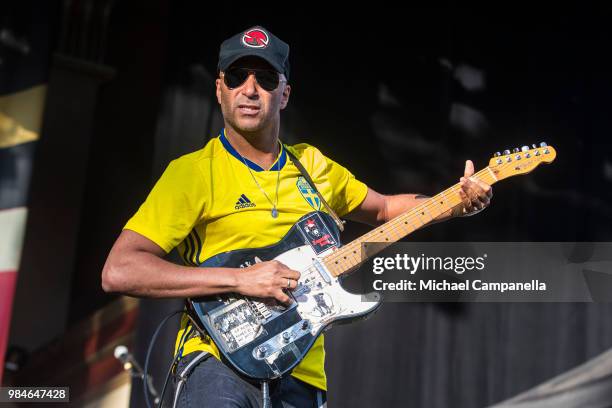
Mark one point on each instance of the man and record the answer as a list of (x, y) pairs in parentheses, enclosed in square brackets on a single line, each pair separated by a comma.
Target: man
[(242, 191)]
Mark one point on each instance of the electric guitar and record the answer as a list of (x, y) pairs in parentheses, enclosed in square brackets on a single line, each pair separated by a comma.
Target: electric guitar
[(265, 341)]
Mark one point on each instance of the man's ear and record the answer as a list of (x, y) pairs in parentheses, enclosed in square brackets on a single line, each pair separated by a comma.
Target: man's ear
[(285, 96), (218, 90)]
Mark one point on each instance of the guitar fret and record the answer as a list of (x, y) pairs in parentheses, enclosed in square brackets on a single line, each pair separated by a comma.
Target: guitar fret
[(492, 174), (409, 219), (430, 216), (418, 214)]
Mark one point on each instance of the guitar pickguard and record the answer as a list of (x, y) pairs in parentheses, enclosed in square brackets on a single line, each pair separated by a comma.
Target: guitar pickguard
[(320, 297)]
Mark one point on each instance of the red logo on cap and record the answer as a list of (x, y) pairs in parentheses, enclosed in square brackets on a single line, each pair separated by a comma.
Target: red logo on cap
[(255, 38)]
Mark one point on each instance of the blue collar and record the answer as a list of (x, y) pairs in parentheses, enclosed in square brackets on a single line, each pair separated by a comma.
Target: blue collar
[(278, 164)]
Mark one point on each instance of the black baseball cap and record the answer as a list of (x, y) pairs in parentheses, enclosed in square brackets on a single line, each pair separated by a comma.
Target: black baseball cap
[(257, 42)]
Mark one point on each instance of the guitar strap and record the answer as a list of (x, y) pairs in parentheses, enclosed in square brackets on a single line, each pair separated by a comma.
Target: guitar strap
[(300, 167)]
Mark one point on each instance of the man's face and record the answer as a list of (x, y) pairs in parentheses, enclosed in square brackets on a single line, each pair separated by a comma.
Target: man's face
[(249, 107)]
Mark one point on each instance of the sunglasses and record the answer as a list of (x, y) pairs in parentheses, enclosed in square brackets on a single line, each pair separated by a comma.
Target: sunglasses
[(268, 79)]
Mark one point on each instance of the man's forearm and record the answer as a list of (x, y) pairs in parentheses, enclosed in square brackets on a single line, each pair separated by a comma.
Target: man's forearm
[(147, 275), (135, 267)]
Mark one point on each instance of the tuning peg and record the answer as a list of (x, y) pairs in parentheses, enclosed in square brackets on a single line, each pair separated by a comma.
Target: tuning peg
[(506, 152), (516, 150), (497, 154), (524, 148), (543, 144)]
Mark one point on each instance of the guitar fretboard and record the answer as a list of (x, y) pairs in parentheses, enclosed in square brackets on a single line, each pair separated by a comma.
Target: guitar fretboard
[(349, 256)]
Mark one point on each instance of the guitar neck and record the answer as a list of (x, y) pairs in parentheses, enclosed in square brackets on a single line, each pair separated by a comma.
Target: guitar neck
[(349, 256)]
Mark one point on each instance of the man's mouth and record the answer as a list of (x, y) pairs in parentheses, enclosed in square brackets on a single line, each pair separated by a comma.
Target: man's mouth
[(249, 109)]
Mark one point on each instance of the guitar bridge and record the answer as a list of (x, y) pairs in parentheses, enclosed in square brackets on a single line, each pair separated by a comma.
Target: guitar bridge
[(270, 349)]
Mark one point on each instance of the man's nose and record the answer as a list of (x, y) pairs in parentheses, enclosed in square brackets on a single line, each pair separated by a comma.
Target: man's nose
[(250, 86)]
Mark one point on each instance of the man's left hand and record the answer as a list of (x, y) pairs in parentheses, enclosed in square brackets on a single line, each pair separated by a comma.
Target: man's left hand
[(475, 194)]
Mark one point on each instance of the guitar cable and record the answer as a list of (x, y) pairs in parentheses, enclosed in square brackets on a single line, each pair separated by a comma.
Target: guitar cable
[(146, 365), (265, 393), (177, 357), (174, 361)]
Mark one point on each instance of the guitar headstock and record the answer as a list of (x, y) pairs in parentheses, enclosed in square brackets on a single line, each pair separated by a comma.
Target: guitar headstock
[(521, 161)]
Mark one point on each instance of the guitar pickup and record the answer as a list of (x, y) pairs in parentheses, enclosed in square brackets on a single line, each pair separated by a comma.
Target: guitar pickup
[(322, 271)]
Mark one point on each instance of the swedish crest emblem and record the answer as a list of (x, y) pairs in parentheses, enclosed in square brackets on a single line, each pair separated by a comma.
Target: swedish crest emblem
[(308, 193)]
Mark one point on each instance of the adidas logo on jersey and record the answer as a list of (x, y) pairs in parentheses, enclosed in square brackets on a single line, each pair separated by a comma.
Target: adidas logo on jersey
[(243, 202)]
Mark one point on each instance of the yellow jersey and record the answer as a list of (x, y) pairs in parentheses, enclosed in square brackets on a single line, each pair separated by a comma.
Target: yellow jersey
[(207, 202)]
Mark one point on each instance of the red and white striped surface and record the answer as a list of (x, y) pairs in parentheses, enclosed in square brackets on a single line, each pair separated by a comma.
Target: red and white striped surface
[(12, 228)]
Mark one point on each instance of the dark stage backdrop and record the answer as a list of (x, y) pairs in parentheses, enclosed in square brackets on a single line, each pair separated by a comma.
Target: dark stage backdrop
[(402, 98), (402, 103)]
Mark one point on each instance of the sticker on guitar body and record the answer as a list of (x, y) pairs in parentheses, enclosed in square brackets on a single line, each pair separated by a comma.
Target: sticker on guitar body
[(317, 234), (237, 324)]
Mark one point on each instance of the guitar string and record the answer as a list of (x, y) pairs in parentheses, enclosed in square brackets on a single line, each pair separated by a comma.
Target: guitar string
[(396, 225), (312, 269), (392, 225), (410, 216), (332, 257)]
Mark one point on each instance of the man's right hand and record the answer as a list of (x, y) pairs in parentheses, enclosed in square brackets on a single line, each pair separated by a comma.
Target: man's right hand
[(267, 280)]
